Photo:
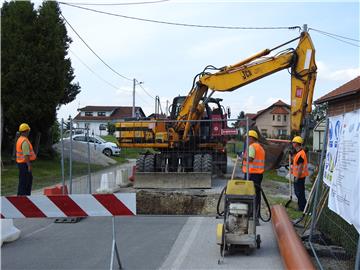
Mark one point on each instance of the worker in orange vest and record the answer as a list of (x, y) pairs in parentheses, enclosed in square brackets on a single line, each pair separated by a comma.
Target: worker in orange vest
[(256, 167), (24, 156), (299, 170)]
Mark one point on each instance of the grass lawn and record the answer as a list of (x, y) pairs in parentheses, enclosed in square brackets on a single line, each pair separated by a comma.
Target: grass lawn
[(272, 175), (48, 172), (234, 147), (45, 173), (291, 209)]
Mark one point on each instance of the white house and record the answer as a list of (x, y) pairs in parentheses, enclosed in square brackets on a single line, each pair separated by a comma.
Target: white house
[(318, 135), (96, 118)]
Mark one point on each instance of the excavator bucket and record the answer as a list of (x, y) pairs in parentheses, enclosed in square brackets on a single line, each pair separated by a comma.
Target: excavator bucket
[(275, 152)]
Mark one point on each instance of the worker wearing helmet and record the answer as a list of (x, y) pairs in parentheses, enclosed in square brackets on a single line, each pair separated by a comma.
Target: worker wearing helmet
[(299, 170), (24, 156), (256, 167)]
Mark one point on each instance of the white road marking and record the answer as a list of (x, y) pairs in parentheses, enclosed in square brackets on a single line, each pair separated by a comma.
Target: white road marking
[(37, 231), (192, 224)]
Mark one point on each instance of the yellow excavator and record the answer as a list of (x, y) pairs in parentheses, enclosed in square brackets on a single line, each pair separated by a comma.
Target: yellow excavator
[(194, 137)]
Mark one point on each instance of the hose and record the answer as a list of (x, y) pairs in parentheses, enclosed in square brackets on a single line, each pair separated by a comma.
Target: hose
[(267, 205), (218, 203)]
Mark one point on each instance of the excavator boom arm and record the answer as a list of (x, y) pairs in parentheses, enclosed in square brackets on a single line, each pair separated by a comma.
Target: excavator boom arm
[(303, 75)]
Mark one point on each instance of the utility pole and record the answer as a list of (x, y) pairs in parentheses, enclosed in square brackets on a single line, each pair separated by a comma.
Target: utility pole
[(167, 108), (133, 106)]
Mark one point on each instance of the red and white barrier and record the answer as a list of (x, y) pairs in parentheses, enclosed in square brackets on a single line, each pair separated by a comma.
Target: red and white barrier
[(75, 205)]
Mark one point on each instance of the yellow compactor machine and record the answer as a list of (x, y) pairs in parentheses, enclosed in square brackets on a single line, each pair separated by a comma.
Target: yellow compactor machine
[(238, 229)]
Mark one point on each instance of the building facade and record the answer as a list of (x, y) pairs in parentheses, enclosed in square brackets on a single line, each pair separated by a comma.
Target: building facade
[(96, 118), (274, 121), (344, 99)]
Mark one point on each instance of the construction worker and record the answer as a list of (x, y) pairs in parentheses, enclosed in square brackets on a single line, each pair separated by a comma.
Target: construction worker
[(24, 156), (299, 170), (256, 167)]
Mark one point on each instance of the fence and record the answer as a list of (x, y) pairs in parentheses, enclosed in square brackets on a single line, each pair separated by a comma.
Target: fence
[(91, 175), (180, 146), (333, 241)]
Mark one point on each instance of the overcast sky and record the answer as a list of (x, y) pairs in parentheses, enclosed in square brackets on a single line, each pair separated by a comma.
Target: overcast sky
[(167, 57)]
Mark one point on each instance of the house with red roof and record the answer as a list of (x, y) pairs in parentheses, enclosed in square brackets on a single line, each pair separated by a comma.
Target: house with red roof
[(343, 99), (274, 121), (96, 118)]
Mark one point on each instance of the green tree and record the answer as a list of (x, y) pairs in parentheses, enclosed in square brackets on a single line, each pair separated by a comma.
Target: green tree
[(18, 35), (319, 112), (36, 73), (240, 120), (111, 128)]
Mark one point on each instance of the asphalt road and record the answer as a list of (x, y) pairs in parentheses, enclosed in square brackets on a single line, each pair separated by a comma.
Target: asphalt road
[(144, 242)]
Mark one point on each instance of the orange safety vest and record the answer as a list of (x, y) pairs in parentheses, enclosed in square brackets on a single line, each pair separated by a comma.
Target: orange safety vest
[(257, 166), (20, 157), (295, 166)]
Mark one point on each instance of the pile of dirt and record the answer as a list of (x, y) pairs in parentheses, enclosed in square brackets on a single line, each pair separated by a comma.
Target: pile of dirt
[(80, 153)]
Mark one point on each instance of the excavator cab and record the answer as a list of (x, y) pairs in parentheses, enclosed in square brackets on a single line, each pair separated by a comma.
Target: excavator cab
[(212, 122)]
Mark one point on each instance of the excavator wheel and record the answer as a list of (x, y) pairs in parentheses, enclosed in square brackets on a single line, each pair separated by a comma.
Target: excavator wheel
[(149, 165), (140, 162), (207, 163), (197, 162), (223, 163)]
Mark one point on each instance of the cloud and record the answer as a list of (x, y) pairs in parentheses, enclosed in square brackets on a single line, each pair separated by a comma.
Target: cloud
[(347, 74)]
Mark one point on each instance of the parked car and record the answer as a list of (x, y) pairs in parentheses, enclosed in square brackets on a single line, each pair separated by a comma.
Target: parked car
[(107, 148)]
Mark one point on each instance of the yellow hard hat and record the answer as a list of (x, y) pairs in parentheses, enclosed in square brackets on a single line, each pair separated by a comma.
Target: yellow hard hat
[(253, 133), (24, 127), (298, 139)]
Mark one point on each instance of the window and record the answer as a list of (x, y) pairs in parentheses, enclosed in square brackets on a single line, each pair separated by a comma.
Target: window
[(264, 132), (284, 117), (279, 118), (88, 114), (101, 114), (273, 117), (80, 138), (91, 139), (282, 132)]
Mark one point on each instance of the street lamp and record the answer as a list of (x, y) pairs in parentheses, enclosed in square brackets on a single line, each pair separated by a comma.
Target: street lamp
[(135, 82)]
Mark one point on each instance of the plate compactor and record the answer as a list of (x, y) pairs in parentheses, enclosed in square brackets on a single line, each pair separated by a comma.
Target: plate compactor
[(238, 230)]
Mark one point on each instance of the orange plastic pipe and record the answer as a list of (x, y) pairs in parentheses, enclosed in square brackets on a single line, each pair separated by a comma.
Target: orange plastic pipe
[(291, 248)]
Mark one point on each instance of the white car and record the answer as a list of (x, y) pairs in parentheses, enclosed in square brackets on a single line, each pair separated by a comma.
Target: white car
[(98, 143)]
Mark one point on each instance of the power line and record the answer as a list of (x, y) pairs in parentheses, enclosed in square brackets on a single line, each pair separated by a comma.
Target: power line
[(82, 62), (115, 4), (330, 36), (323, 32), (113, 70), (146, 91), (139, 96), (184, 24)]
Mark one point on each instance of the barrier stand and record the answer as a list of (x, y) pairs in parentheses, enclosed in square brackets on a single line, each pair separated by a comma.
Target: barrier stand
[(114, 248), (78, 205)]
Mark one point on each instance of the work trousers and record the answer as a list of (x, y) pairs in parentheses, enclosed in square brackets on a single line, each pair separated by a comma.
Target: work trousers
[(299, 188), (25, 180), (257, 179)]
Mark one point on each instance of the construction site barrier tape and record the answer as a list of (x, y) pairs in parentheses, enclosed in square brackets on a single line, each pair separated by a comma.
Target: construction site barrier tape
[(76, 205)]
